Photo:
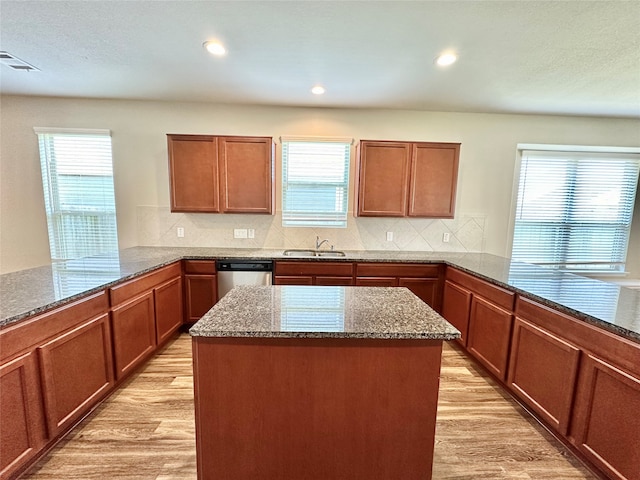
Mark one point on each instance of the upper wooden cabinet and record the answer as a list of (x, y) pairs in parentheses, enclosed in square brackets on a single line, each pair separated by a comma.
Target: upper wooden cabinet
[(221, 174), (400, 179)]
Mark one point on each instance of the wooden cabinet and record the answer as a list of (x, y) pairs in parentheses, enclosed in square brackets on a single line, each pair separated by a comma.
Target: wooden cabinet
[(145, 310), (221, 174), (490, 335), (583, 382), (168, 309), (456, 308), (201, 288), (246, 174), (77, 370), (134, 333), (422, 279), (313, 273), (193, 173), (22, 429), (400, 179), (606, 423), (47, 380), (488, 327), (543, 370)]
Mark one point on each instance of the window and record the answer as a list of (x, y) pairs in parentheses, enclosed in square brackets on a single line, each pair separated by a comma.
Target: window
[(315, 183), (77, 177), (574, 209)]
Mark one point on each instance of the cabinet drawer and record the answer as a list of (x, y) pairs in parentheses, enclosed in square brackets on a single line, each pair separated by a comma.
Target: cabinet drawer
[(332, 269), (200, 267), (397, 270), (500, 296), (134, 287)]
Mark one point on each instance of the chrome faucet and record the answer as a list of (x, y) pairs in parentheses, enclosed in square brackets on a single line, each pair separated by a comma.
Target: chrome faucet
[(320, 243)]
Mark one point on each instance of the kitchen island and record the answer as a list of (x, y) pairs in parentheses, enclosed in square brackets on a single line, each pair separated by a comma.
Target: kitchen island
[(312, 382)]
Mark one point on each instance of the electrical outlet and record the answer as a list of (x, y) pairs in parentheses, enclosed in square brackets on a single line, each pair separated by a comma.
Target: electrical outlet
[(180, 232), (446, 236), (239, 233), (252, 233), (389, 236)]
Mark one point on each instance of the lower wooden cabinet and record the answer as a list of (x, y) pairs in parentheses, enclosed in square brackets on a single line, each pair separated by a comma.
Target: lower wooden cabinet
[(456, 308), (22, 424), (606, 421), (542, 371), (77, 370), (200, 288), (168, 309), (490, 335), (134, 333), (422, 279)]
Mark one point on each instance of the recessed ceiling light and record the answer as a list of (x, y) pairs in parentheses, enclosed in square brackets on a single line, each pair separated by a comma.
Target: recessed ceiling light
[(215, 48), (446, 59), (318, 90)]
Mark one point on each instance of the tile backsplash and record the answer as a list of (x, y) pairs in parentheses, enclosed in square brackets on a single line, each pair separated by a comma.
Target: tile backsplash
[(157, 226)]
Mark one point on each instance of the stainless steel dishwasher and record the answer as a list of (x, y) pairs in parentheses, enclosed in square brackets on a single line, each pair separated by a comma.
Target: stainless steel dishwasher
[(232, 273)]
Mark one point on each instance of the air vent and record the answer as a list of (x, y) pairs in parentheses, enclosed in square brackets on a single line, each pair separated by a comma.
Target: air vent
[(14, 62)]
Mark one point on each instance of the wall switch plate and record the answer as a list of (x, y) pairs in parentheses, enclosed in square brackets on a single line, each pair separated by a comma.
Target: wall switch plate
[(446, 236), (239, 233), (252, 233), (389, 236), (180, 232)]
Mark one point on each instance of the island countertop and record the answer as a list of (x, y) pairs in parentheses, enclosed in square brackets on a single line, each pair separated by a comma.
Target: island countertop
[(323, 312)]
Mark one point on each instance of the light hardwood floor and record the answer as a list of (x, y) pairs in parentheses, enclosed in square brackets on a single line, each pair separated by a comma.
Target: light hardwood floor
[(145, 431)]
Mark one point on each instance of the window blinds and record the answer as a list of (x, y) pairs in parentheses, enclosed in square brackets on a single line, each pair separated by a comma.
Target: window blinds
[(77, 177), (315, 183), (574, 209)]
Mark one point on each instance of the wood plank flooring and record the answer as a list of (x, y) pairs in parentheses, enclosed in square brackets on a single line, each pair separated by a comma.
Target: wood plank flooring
[(145, 431)]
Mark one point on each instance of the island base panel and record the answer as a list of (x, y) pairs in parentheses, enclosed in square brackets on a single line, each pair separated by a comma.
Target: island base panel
[(315, 408)]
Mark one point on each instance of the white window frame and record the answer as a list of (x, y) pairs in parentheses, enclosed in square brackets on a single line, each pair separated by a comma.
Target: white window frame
[(521, 148), (103, 222), (324, 219)]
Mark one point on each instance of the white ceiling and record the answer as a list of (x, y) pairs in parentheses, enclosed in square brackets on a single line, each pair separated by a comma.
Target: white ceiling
[(556, 57)]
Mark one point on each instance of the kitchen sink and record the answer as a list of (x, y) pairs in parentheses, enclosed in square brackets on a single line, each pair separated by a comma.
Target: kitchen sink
[(313, 253), (299, 253)]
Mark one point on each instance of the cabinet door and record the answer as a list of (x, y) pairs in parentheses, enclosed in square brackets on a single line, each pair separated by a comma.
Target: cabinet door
[(22, 431), (434, 176), (424, 288), (293, 280), (490, 335), (377, 281), (542, 371), (201, 294), (77, 370), (383, 179), (134, 333), (246, 174), (193, 173), (606, 423), (168, 308), (456, 308)]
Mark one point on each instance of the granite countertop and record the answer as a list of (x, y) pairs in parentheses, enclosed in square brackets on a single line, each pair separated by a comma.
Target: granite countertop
[(323, 312), (609, 306)]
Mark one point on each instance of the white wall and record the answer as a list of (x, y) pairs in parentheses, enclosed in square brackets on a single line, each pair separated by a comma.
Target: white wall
[(139, 131)]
